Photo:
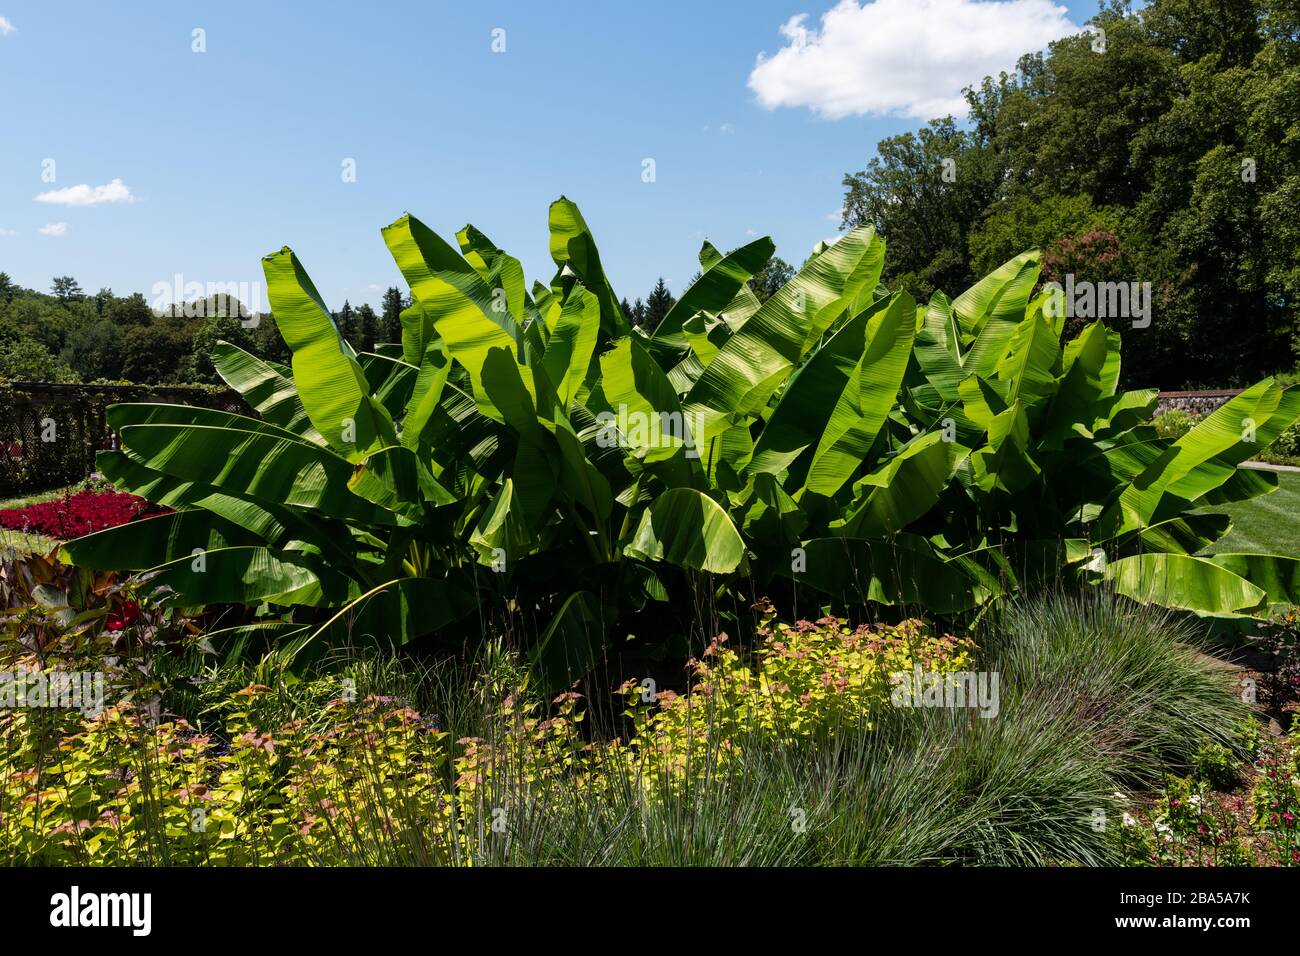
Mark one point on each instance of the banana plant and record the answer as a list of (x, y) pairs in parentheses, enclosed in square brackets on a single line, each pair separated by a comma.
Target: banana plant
[(525, 451)]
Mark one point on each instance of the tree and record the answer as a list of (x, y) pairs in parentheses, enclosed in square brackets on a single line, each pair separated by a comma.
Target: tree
[(29, 361), (219, 326), (923, 193), (94, 350), (1177, 138), (657, 305), (391, 324), (130, 310), (159, 353), (268, 343), (367, 327), (346, 320), (1014, 225), (66, 289), (7, 288), (769, 279)]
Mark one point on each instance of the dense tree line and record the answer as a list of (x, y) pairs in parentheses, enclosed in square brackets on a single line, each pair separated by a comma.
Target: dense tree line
[(1163, 146), (68, 335)]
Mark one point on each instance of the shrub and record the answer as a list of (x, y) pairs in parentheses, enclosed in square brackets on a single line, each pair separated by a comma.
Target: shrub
[(1285, 449), (1187, 826), (1173, 424)]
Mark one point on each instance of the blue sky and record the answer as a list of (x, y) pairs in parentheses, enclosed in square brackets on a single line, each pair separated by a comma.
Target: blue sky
[(228, 154)]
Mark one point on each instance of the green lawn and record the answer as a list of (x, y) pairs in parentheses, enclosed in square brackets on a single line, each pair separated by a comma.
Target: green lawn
[(29, 543), (1270, 523)]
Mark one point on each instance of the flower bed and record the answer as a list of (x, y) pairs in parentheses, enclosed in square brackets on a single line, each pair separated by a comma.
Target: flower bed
[(74, 515)]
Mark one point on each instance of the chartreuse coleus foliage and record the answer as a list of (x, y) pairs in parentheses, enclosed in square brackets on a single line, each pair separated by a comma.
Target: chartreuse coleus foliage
[(525, 448)]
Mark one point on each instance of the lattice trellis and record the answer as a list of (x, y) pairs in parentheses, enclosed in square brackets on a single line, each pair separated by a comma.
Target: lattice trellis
[(49, 434)]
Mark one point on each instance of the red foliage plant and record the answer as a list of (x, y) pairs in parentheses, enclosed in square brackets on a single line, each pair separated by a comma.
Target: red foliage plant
[(74, 515)]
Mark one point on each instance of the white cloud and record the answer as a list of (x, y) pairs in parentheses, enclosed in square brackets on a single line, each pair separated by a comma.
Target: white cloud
[(726, 129), (907, 58), (6, 27), (54, 229), (87, 195), (8, 232)]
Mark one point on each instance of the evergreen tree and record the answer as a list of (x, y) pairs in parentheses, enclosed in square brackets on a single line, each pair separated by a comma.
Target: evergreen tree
[(346, 321), (7, 288), (367, 327), (67, 289), (391, 324), (657, 305)]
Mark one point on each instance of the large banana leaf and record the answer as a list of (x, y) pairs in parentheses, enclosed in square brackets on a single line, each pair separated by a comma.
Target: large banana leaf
[(573, 340), (755, 361), (1182, 581), (572, 644), (690, 530), (330, 383), (901, 570), (258, 465), (868, 395), (903, 489), (148, 542), (992, 309), (1277, 575), (273, 395), (801, 416), (716, 287), (249, 575), (573, 247)]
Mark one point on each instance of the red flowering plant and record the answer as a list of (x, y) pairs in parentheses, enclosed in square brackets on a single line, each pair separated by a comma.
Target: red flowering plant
[(74, 515)]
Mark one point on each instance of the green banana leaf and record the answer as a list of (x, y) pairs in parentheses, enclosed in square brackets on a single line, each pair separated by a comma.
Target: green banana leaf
[(572, 645), (1182, 581), (691, 530), (330, 383), (273, 395)]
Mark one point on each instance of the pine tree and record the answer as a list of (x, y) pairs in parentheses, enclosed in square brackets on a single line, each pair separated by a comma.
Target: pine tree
[(67, 289), (391, 324), (346, 321), (638, 313), (7, 287), (658, 304), (367, 327)]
